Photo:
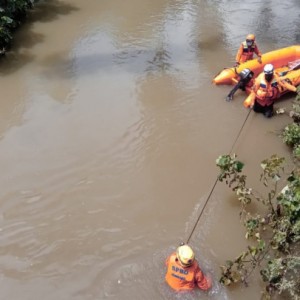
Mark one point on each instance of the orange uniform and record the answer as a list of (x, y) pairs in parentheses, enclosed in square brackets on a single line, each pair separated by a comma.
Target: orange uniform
[(266, 92), (185, 278), (246, 53)]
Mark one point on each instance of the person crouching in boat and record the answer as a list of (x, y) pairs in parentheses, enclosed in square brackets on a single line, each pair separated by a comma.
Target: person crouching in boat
[(247, 50), (183, 271), (265, 91)]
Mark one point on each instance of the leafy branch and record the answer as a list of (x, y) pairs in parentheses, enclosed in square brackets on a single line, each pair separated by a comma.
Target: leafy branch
[(12, 14), (272, 234)]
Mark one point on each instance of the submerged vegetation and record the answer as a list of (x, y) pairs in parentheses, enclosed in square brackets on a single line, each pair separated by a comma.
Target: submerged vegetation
[(12, 14), (274, 232)]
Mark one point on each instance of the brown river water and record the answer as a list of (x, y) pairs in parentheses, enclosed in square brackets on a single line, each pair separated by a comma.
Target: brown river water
[(109, 132)]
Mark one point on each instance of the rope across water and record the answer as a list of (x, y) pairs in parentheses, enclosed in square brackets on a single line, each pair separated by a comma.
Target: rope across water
[(217, 179)]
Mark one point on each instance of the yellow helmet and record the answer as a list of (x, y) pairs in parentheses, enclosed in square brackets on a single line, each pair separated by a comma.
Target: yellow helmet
[(185, 255), (250, 37)]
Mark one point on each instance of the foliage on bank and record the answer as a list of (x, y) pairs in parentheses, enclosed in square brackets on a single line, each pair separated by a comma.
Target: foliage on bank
[(291, 133), (274, 233), (12, 14)]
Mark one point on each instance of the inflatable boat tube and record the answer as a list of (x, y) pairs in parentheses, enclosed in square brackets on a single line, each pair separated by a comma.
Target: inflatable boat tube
[(279, 58)]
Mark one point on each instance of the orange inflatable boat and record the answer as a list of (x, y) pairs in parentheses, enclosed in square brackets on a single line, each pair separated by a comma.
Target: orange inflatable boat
[(278, 58)]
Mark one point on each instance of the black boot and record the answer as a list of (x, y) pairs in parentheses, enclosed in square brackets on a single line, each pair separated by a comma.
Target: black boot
[(269, 113)]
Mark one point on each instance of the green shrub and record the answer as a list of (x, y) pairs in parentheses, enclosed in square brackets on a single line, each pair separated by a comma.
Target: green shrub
[(291, 134), (296, 152), (273, 232), (12, 14)]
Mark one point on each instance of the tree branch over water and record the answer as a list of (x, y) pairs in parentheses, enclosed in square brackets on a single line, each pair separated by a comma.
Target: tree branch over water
[(274, 232), (12, 14)]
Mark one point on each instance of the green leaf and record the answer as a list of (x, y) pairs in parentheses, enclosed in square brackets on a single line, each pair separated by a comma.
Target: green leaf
[(236, 277), (225, 281), (7, 20), (229, 263), (252, 250), (261, 245), (263, 166), (238, 166)]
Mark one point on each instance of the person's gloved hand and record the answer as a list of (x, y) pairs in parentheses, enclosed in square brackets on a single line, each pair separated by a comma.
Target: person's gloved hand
[(259, 59)]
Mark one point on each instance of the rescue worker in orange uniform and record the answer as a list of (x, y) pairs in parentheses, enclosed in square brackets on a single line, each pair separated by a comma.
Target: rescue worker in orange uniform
[(247, 50), (183, 271), (265, 91)]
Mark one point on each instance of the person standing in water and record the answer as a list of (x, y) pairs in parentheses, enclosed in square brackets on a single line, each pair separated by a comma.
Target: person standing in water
[(183, 271), (265, 91)]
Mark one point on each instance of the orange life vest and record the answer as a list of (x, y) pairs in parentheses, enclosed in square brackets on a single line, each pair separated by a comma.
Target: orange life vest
[(184, 278), (248, 52), (266, 92)]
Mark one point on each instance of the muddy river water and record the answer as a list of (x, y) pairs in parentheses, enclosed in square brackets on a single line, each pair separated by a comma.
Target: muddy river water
[(109, 131)]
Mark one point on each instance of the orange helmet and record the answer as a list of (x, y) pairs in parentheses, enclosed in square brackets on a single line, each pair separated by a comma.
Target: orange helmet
[(250, 37)]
